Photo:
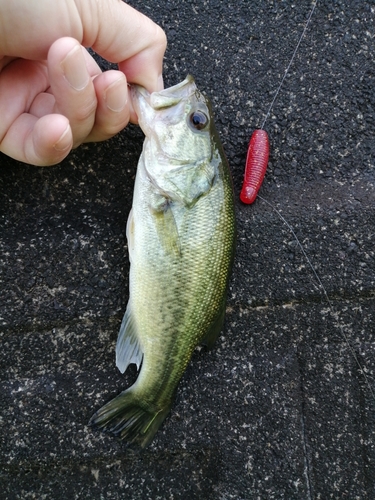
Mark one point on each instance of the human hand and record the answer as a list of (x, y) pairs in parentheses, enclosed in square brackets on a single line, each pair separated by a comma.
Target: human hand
[(53, 95)]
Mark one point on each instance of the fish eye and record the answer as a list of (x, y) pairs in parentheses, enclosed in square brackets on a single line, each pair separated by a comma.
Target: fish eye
[(198, 119)]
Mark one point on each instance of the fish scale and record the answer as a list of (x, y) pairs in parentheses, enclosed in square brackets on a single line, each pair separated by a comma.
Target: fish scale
[(191, 272), (181, 234)]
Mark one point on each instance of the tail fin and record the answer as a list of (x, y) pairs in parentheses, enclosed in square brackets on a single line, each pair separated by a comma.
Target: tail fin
[(129, 418)]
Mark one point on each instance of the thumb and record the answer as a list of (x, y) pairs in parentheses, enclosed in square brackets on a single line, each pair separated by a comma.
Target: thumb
[(122, 35)]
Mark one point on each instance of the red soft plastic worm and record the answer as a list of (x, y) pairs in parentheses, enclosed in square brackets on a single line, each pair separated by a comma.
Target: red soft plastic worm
[(256, 165)]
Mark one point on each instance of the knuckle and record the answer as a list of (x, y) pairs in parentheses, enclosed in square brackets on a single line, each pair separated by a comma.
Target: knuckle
[(161, 38), (84, 112), (105, 129)]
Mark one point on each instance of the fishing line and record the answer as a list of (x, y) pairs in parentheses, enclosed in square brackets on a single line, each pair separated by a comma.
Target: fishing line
[(321, 286), (289, 65), (256, 164), (323, 289), (258, 150)]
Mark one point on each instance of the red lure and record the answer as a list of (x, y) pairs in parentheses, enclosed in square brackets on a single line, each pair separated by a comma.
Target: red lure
[(256, 166)]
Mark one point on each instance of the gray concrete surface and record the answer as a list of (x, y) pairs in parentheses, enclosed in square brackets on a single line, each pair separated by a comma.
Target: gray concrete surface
[(279, 409)]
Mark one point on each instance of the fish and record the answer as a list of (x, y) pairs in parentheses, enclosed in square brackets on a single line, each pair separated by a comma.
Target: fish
[(181, 242)]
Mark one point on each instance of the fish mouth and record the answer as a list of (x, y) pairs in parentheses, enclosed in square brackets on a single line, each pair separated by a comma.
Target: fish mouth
[(164, 98)]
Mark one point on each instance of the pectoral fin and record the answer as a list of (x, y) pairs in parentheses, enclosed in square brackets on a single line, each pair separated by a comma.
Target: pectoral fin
[(165, 224), (166, 229), (130, 234), (128, 348)]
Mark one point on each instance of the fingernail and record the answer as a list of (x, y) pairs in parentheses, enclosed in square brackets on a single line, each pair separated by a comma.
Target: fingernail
[(74, 69), (64, 142), (116, 95)]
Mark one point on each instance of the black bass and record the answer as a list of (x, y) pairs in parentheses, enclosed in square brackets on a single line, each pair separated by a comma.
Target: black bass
[(180, 233)]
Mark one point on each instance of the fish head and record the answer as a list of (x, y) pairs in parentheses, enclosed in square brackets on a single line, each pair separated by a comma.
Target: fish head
[(178, 149)]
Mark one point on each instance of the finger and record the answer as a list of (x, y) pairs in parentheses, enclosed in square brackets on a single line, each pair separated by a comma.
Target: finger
[(43, 141), (123, 35), (4, 61), (20, 82), (36, 26), (112, 113), (71, 70), (43, 104), (112, 28)]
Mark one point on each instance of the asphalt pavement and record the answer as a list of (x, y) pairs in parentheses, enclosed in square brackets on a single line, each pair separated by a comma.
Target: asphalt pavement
[(283, 406)]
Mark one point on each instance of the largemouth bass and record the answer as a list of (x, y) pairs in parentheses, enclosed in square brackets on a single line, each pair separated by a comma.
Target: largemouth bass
[(180, 233)]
